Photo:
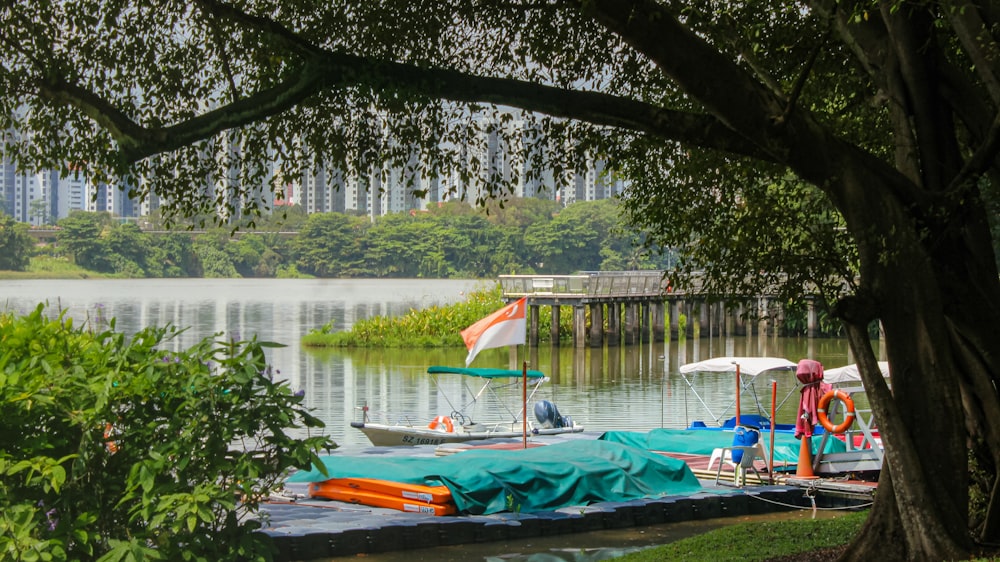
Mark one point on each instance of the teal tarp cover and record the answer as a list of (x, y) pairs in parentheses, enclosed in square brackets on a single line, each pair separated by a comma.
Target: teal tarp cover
[(546, 478), (484, 372), (704, 441)]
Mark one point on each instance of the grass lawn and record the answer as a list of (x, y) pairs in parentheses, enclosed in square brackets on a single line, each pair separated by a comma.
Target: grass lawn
[(45, 267), (758, 541)]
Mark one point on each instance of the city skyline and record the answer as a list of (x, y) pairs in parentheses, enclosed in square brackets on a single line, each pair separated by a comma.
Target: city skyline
[(44, 197)]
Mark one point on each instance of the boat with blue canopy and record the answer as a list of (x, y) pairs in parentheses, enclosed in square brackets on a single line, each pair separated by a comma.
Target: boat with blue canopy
[(504, 418)]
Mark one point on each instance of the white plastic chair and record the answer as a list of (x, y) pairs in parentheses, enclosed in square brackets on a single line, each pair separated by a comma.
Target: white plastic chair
[(748, 461)]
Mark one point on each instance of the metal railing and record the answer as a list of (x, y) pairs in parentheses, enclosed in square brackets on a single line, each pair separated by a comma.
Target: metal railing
[(608, 284)]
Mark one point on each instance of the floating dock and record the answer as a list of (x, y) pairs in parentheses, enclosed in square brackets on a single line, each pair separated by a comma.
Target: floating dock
[(308, 528)]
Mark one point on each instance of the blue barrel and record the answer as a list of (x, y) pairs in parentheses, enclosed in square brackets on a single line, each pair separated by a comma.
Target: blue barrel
[(744, 437)]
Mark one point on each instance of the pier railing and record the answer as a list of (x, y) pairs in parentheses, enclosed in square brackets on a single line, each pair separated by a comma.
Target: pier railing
[(600, 284)]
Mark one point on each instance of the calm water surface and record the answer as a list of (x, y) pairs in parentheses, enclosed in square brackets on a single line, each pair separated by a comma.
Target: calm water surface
[(622, 388)]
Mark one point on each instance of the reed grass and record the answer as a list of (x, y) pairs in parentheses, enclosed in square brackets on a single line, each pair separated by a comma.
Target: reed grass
[(435, 326)]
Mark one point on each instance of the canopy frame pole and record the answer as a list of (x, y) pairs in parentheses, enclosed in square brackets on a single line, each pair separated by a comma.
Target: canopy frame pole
[(739, 391), (524, 403), (774, 410)]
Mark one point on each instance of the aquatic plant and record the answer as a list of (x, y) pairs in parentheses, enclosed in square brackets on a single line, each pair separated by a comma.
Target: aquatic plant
[(435, 326)]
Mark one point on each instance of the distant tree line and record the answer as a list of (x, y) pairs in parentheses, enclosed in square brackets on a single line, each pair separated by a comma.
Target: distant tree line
[(524, 236), (15, 244)]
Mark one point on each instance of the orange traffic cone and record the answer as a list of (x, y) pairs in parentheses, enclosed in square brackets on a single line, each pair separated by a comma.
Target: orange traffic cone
[(805, 466)]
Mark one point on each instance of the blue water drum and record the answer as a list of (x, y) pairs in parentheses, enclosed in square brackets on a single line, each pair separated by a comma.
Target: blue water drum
[(744, 437)]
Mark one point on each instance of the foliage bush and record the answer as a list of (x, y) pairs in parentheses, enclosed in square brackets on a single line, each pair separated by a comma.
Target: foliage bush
[(113, 448), (16, 246), (435, 326)]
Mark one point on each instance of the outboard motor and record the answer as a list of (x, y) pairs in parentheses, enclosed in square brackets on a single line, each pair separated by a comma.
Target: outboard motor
[(548, 415)]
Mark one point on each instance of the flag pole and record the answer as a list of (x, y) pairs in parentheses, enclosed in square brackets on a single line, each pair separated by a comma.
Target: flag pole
[(524, 402)]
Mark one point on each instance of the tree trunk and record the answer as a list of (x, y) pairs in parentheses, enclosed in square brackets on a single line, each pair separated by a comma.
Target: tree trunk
[(906, 521), (926, 266), (941, 350)]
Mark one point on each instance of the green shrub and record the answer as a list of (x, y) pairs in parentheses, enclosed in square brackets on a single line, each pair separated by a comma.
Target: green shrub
[(435, 326), (113, 448)]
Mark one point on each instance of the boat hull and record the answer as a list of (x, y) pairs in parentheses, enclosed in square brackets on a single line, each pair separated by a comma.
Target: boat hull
[(382, 435)]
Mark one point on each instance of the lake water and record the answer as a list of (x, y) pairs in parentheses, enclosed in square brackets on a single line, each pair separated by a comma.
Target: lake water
[(623, 388)]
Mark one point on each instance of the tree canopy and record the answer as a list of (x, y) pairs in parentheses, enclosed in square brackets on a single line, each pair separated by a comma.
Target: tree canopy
[(846, 146), (453, 240), (15, 244)]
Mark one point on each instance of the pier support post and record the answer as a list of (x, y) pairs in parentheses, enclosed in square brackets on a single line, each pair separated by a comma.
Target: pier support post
[(630, 323), (533, 326), (762, 316), (812, 319), (614, 323), (676, 305), (596, 324), (579, 326), (644, 323), (658, 320), (705, 312), (554, 329), (739, 321)]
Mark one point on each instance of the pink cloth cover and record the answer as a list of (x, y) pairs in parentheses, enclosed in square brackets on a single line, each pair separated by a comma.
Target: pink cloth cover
[(810, 374)]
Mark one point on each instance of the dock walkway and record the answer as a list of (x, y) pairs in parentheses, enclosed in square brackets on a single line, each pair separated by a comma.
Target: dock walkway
[(309, 529)]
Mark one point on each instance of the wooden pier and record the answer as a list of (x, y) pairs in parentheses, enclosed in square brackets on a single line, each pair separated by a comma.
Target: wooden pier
[(629, 307)]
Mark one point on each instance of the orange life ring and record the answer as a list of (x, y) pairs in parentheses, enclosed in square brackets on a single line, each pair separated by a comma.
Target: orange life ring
[(109, 438), (848, 417), (442, 423)]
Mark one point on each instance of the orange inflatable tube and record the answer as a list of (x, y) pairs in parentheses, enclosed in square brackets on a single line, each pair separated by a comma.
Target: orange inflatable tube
[(333, 491), (427, 494)]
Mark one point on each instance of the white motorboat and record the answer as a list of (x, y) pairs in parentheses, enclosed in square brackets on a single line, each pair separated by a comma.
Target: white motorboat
[(459, 426)]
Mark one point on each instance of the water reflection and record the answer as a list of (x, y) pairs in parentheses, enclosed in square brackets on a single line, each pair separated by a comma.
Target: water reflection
[(625, 388), (621, 388)]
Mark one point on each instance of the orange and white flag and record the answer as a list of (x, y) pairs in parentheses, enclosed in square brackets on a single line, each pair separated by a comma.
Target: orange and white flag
[(506, 326)]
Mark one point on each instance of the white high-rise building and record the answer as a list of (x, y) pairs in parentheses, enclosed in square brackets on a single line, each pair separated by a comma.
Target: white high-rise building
[(26, 196), (71, 193), (511, 152)]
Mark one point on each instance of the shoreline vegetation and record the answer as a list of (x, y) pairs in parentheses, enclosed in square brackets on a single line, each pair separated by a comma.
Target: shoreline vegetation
[(810, 540), (47, 267), (797, 540), (453, 240), (434, 326)]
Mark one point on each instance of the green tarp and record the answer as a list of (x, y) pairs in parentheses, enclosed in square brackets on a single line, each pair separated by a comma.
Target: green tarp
[(484, 373), (573, 473), (704, 441)]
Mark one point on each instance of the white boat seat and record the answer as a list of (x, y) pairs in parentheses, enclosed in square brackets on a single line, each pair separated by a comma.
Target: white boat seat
[(724, 456)]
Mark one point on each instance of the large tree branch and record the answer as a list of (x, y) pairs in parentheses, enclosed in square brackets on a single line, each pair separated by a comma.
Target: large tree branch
[(727, 91), (910, 30), (748, 107), (266, 26), (982, 159), (328, 71), (967, 21)]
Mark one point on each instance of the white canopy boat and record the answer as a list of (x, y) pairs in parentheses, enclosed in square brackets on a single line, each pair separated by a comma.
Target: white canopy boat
[(850, 374), (861, 439), (745, 371), (459, 426)]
